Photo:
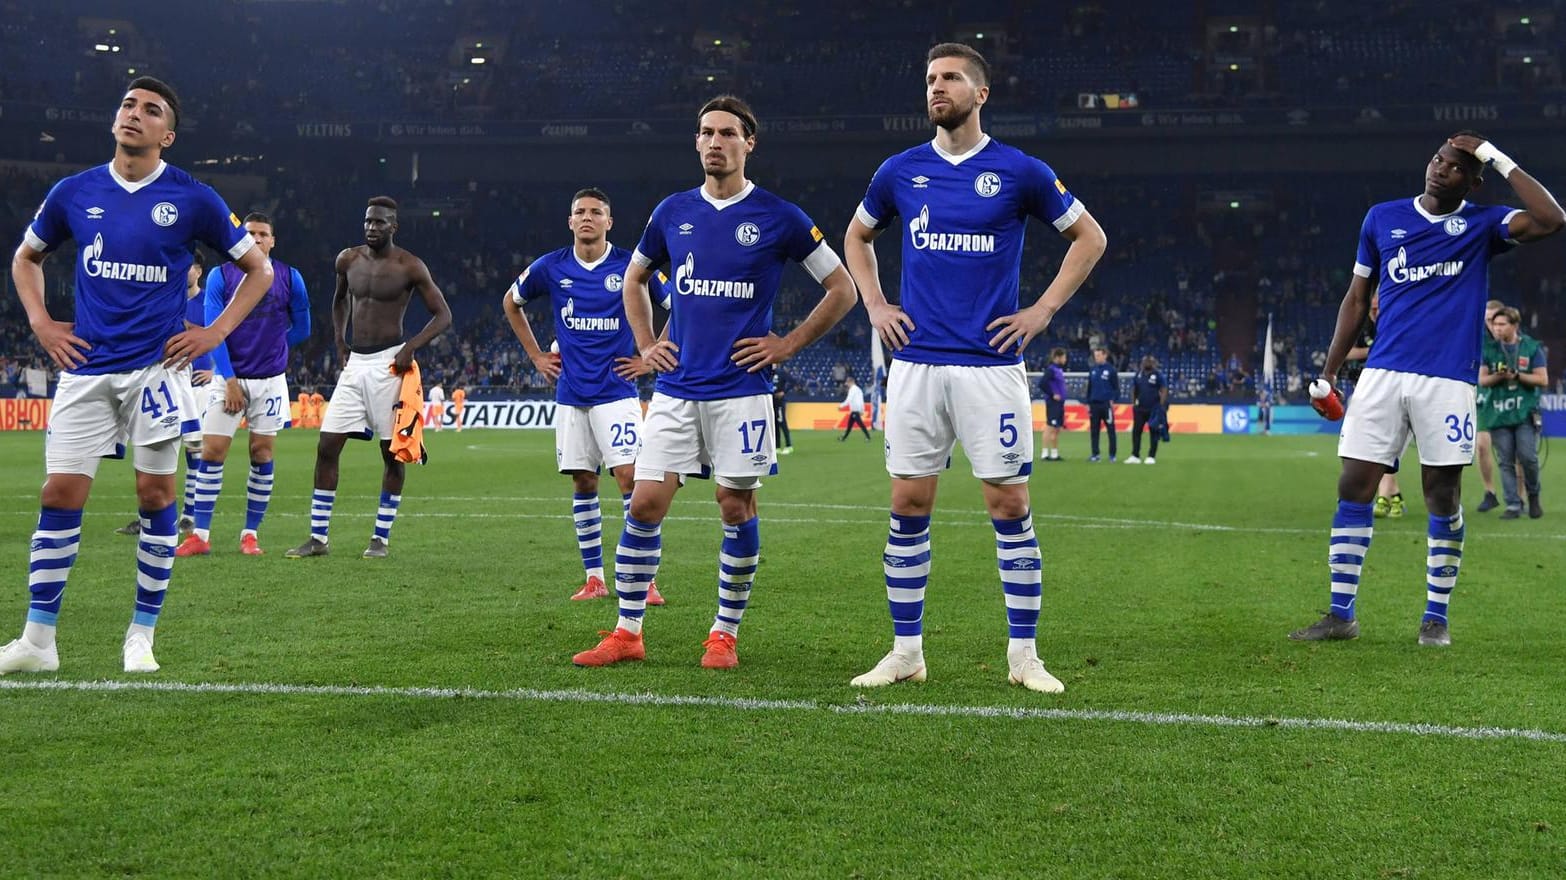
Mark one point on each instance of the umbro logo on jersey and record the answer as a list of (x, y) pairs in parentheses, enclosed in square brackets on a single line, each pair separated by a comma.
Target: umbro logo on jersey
[(165, 214), (95, 213), (685, 228), (921, 182), (566, 283), (1399, 233)]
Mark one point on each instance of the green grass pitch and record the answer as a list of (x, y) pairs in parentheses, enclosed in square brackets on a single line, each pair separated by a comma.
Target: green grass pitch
[(419, 716)]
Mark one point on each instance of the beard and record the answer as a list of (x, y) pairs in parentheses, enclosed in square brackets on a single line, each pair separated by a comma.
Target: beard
[(951, 116)]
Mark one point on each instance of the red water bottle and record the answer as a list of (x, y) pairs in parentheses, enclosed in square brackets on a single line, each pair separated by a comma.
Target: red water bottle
[(1326, 400)]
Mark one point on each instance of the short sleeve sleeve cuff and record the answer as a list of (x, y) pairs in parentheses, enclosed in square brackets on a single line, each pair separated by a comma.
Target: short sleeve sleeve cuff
[(864, 216), (33, 241), (1064, 221), (823, 261), (1362, 270), (241, 247), (640, 259)]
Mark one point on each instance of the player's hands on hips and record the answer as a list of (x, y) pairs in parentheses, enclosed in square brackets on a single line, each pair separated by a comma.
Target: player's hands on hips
[(547, 363), (759, 352), (892, 324), (201, 377), (233, 397), (186, 346), (1017, 329), (630, 367), (403, 362), (63, 346), (661, 356)]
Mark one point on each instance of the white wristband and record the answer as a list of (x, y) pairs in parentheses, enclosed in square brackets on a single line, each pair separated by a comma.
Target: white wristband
[(1486, 152)]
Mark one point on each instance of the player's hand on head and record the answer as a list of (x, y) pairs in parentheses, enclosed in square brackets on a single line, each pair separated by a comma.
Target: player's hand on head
[(759, 352), (661, 356), (1465, 142), (1017, 329), (547, 364), (630, 367), (63, 346), (892, 324)]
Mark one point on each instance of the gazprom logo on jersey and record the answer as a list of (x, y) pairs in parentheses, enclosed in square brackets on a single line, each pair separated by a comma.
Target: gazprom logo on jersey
[(592, 325), (1236, 420), (1399, 271), (686, 282), (96, 267), (962, 242)]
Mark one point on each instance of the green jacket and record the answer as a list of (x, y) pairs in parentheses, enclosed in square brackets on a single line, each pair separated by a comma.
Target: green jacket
[(1510, 403)]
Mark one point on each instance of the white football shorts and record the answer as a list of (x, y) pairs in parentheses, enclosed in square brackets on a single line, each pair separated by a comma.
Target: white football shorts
[(929, 408), (266, 408), (1390, 407), (366, 393), (730, 439), (589, 437), (94, 417)]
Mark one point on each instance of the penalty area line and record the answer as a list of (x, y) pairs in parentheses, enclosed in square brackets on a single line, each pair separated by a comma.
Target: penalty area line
[(531, 695)]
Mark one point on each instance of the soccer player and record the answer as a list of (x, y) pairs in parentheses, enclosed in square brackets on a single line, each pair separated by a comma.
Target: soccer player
[(437, 399), (252, 362), (1430, 258), (598, 417), (1054, 388), (1103, 390), (1149, 396), (854, 400), (136, 220), (317, 408), (1512, 372), (958, 335), (459, 397), (780, 380), (197, 375), (727, 242), (375, 281)]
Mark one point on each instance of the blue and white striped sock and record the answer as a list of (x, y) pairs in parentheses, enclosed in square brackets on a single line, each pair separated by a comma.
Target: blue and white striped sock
[(321, 501), (1021, 576), (737, 559), (55, 541), (258, 494), (154, 564), (208, 485), (635, 566), (906, 562), (192, 477), (385, 515), (1444, 547), (589, 523), (1352, 526)]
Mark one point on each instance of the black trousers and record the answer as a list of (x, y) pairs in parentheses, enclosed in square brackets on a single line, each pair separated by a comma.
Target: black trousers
[(855, 418), (1100, 414), (780, 431), (1139, 417)]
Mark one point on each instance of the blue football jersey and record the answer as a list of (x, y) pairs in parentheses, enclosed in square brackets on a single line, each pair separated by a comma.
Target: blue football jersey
[(963, 223), (726, 260), (1433, 274), (590, 324), (135, 243)]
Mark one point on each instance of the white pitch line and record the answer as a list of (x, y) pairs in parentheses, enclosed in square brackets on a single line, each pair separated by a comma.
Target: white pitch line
[(530, 695)]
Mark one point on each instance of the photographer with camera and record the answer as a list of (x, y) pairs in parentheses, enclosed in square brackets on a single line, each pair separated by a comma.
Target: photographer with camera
[(1511, 375)]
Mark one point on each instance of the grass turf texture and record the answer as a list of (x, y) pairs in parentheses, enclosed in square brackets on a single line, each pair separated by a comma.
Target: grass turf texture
[(1168, 589)]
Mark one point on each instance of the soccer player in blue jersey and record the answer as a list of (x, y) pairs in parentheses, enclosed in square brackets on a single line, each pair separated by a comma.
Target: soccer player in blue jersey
[(727, 242), (252, 362), (136, 220), (375, 282), (958, 333), (1428, 259), (598, 420), (197, 376)]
